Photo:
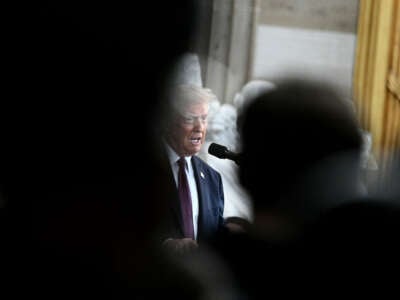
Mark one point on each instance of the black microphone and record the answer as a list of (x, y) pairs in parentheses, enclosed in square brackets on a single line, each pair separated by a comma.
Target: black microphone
[(223, 152)]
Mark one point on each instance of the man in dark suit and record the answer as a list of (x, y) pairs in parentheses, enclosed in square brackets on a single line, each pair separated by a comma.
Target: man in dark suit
[(197, 215)]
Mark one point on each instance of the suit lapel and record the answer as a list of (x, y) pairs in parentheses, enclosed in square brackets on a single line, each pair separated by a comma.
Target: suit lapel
[(199, 177), (201, 190)]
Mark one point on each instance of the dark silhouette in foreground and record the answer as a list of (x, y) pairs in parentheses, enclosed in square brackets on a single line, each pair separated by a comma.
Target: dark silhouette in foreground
[(313, 225)]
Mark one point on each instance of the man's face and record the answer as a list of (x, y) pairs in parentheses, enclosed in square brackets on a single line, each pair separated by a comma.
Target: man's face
[(188, 132)]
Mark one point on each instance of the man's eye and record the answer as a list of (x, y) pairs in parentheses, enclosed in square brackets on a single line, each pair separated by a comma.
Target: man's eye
[(192, 120)]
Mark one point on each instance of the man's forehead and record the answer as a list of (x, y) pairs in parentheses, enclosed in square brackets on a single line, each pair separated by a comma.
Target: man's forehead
[(194, 108)]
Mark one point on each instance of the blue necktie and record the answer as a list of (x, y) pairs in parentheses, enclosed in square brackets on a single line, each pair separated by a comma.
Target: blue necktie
[(185, 199)]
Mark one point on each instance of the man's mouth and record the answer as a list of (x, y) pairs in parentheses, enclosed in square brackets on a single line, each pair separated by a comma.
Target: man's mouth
[(195, 140)]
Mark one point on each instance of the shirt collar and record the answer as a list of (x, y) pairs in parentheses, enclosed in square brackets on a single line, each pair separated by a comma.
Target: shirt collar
[(173, 157)]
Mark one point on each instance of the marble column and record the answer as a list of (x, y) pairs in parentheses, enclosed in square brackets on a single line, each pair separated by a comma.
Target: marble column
[(230, 47)]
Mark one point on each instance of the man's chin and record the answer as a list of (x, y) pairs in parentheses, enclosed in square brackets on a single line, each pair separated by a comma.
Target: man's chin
[(194, 150)]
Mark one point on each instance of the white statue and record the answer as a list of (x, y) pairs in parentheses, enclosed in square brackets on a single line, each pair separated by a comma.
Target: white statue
[(187, 70), (222, 130)]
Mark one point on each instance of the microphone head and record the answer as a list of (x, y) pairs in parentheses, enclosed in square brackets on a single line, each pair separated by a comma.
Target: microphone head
[(217, 150)]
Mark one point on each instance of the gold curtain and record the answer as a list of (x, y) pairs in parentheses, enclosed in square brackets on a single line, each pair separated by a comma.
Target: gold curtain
[(376, 84)]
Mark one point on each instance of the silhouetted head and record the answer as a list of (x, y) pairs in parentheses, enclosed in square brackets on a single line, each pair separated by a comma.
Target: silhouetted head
[(292, 132), (87, 75)]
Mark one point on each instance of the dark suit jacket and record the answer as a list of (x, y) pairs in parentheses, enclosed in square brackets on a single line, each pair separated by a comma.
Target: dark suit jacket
[(211, 203)]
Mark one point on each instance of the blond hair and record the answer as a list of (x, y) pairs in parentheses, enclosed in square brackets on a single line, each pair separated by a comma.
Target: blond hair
[(183, 95)]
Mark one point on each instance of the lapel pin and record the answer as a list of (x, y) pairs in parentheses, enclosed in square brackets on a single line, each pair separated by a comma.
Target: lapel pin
[(202, 175)]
